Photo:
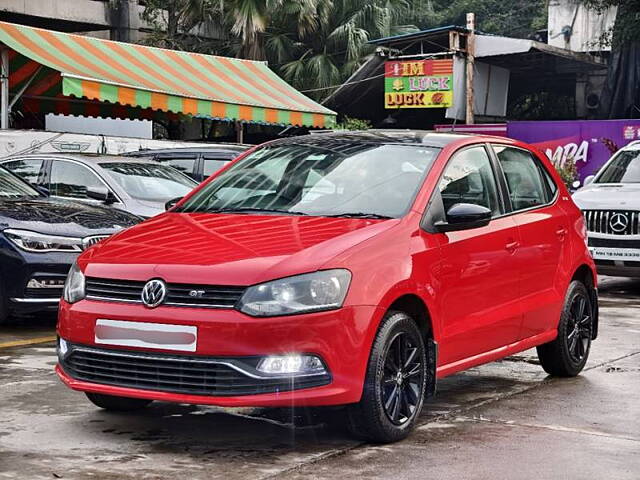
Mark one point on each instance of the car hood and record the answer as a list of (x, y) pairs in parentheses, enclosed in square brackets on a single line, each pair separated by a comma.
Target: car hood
[(226, 249), (608, 197), (60, 217), (145, 208)]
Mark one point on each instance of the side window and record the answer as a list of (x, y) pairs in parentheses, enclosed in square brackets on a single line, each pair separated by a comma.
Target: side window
[(71, 180), (28, 170), (469, 178), (526, 181), (183, 164), (211, 166)]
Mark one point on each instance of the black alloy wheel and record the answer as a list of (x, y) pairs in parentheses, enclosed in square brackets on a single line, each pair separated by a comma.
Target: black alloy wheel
[(567, 354), (395, 382), (579, 331), (403, 379)]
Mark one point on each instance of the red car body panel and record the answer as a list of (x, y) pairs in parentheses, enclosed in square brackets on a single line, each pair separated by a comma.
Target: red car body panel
[(489, 292)]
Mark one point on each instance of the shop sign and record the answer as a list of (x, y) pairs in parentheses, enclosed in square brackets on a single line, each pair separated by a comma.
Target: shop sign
[(418, 84)]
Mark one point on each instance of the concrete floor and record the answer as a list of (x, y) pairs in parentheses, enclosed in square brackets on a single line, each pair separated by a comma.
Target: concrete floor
[(502, 420)]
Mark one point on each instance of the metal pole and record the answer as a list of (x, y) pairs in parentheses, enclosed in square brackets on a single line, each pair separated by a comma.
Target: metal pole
[(471, 60), (239, 132), (4, 89)]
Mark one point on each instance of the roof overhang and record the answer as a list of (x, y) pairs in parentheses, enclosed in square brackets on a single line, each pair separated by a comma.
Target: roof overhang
[(148, 79)]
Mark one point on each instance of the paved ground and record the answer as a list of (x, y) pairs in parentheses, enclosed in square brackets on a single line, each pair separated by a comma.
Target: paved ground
[(503, 420)]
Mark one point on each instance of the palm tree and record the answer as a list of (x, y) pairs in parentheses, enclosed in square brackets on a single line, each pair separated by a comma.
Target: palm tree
[(316, 44)]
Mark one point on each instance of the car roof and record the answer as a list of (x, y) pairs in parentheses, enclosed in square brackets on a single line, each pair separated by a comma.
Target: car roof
[(223, 147), (383, 137), (81, 157)]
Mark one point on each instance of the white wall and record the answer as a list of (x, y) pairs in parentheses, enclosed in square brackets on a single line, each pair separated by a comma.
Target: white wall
[(587, 28), (99, 126)]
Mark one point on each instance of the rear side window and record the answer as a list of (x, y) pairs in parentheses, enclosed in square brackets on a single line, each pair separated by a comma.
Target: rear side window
[(469, 178), (183, 164), (211, 166), (28, 170), (529, 184)]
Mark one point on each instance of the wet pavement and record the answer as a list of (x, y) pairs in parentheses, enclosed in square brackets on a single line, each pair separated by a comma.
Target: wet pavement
[(502, 420)]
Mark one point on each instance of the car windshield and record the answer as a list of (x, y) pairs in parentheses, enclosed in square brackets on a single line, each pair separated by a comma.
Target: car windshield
[(13, 187), (148, 181), (624, 168), (339, 178)]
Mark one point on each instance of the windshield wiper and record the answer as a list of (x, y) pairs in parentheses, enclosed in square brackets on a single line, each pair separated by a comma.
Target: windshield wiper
[(244, 210), (375, 216)]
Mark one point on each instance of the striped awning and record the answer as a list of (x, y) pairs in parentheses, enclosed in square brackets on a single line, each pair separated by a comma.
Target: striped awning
[(156, 79)]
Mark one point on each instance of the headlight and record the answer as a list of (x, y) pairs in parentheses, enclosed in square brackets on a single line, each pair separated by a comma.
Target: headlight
[(311, 292), (74, 286), (40, 243)]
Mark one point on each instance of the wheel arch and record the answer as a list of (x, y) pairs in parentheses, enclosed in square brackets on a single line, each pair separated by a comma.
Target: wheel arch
[(585, 274), (417, 309)]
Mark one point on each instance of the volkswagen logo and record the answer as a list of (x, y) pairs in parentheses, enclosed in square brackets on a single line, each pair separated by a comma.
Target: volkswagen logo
[(619, 222), (153, 293)]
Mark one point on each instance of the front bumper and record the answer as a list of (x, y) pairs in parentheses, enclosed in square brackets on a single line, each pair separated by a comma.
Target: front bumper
[(18, 268), (341, 338), (616, 255)]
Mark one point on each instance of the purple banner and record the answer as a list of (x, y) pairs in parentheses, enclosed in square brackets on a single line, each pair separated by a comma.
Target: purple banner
[(590, 143)]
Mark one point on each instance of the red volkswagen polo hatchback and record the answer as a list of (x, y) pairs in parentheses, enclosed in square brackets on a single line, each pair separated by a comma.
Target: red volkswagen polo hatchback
[(338, 269)]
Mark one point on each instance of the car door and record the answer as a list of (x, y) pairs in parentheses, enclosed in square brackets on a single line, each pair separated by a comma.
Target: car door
[(544, 233), (478, 273), (70, 180)]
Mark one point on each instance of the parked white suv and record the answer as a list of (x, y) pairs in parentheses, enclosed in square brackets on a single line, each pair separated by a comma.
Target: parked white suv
[(610, 201)]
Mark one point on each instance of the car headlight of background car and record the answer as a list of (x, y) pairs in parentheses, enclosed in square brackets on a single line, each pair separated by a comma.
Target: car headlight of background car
[(40, 243), (310, 292), (74, 286)]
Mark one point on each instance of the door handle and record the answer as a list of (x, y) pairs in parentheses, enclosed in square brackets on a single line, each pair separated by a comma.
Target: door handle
[(512, 246)]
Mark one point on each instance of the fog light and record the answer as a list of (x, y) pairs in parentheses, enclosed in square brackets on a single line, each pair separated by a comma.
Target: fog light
[(292, 364), (63, 347), (46, 283)]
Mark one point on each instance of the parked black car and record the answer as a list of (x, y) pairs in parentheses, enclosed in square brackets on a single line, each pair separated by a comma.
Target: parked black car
[(199, 162), (136, 185), (39, 240)]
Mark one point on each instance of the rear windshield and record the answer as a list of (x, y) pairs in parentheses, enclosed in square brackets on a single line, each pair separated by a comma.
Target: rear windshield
[(147, 181), (624, 168)]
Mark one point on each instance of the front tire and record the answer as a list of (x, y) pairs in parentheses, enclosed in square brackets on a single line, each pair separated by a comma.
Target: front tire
[(567, 355), (395, 381), (117, 404)]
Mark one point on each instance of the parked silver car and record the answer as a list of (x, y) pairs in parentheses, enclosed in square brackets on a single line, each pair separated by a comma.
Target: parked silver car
[(610, 201), (136, 185)]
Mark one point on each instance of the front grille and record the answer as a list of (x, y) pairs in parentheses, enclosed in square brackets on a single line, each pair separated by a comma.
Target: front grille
[(604, 221), (93, 240), (177, 374), (613, 243), (178, 294)]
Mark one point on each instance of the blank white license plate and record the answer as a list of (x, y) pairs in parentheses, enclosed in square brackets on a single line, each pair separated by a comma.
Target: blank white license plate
[(182, 338), (622, 254)]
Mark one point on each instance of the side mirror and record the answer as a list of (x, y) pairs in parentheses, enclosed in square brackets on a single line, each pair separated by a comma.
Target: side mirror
[(464, 216), (100, 193), (172, 203), (589, 179), (43, 190), (576, 185)]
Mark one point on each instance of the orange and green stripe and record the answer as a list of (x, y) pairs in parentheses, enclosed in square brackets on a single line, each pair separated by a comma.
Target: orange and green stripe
[(140, 77)]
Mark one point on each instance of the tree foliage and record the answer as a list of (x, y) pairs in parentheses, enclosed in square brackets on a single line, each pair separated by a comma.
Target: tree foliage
[(627, 24), (317, 44)]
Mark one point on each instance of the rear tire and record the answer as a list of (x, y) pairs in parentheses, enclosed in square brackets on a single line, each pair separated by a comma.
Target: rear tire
[(117, 404), (394, 386), (567, 355)]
